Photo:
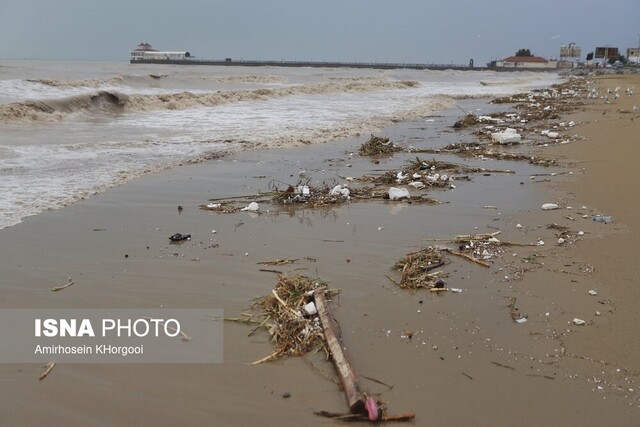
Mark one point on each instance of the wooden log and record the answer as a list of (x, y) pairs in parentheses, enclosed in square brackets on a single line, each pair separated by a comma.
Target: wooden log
[(340, 360)]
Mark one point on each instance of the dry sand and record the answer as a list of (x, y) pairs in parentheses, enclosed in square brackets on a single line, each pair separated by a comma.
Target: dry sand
[(468, 362)]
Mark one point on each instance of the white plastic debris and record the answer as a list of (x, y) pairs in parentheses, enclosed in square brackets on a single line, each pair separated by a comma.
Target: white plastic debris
[(417, 184), (508, 136), (579, 322), (521, 320), (553, 135), (253, 207), (561, 241), (549, 206), (540, 243), (400, 176), (336, 191), (310, 309), (305, 190), (345, 192), (518, 226), (593, 293), (398, 193), (580, 233), (214, 205), (455, 290), (417, 176)]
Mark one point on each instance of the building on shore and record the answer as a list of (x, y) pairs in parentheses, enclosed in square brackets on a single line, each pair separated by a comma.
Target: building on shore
[(144, 51), (525, 62), (633, 55)]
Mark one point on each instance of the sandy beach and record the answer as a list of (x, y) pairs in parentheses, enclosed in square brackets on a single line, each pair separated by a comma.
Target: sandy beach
[(451, 358)]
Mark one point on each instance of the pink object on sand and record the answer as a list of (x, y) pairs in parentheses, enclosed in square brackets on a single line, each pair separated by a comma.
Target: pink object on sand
[(372, 408)]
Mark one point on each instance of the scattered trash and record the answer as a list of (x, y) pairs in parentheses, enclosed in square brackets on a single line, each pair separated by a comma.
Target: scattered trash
[(180, 237), (253, 207), (466, 121), (593, 293), (549, 206), (456, 290), (378, 145), (415, 269), (579, 322), (508, 136), (561, 241), (605, 219), (518, 226), (521, 320), (398, 193), (310, 309), (553, 135)]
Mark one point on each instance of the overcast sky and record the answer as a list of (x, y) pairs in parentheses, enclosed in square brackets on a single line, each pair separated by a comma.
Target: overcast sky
[(445, 31)]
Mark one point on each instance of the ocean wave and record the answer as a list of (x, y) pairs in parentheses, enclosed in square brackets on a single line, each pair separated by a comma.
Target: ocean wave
[(116, 80), (245, 79), (112, 101), (58, 109)]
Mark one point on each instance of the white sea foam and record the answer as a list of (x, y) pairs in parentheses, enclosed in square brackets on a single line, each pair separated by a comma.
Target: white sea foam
[(108, 130)]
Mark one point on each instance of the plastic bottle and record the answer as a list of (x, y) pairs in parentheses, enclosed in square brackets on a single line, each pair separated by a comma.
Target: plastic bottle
[(606, 219)]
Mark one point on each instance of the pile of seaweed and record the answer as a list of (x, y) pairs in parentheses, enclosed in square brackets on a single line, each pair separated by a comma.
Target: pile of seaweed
[(294, 329), (377, 146), (416, 269)]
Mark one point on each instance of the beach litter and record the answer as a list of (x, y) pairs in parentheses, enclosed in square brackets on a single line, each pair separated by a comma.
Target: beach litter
[(579, 322), (398, 193), (297, 317), (252, 207), (377, 145), (508, 136), (605, 219), (416, 269), (466, 121), (549, 206), (178, 237)]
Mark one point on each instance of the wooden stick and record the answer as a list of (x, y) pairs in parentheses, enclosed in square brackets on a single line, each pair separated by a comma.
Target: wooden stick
[(340, 360), (470, 258), (59, 288), (48, 367), (269, 357), (284, 304)]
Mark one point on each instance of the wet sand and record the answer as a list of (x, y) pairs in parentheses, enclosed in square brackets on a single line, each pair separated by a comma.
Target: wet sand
[(468, 362)]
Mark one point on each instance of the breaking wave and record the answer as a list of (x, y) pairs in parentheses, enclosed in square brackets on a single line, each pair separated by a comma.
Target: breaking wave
[(246, 79), (80, 83), (57, 109), (113, 102)]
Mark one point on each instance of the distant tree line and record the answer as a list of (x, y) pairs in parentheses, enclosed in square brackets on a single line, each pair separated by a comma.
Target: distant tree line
[(524, 52)]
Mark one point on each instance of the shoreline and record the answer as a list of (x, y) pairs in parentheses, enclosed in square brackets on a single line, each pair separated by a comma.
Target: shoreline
[(467, 351)]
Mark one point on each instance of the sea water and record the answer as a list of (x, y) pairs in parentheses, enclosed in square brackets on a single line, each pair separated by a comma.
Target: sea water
[(72, 129)]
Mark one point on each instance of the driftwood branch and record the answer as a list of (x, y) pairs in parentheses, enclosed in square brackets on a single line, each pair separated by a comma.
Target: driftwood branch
[(470, 258), (47, 370), (348, 377)]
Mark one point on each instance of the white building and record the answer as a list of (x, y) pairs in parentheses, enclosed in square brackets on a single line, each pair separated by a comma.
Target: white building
[(525, 62), (144, 52)]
